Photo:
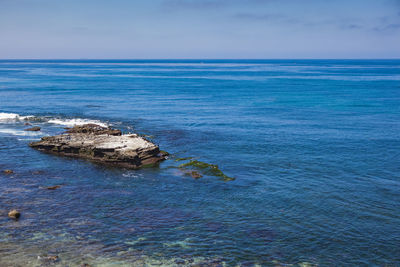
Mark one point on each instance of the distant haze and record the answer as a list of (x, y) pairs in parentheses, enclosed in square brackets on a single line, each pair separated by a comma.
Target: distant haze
[(209, 29)]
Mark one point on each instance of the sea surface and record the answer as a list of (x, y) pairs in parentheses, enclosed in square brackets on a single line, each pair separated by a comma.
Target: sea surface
[(313, 145)]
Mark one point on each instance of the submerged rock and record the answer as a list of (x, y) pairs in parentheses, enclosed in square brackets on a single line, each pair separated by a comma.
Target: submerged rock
[(194, 174), (14, 214), (103, 145), (54, 187), (206, 168), (33, 129), (49, 258), (8, 171), (183, 159)]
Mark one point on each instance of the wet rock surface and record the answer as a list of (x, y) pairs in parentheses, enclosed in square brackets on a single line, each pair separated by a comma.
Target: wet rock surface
[(103, 145), (14, 214), (33, 129), (93, 129)]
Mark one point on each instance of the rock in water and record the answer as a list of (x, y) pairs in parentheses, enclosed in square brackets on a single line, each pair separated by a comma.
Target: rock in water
[(33, 129), (196, 175), (54, 187), (103, 145), (14, 214)]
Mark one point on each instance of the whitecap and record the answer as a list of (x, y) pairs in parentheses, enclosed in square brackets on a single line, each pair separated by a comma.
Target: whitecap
[(75, 122), (13, 117), (19, 132), (8, 116), (132, 174)]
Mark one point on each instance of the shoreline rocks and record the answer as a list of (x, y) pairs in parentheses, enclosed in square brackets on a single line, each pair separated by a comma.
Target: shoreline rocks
[(103, 145)]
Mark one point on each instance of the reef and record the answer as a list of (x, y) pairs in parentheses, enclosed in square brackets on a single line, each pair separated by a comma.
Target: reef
[(102, 145), (205, 168)]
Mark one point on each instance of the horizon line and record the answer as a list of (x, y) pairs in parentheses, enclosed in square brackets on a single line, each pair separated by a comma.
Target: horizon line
[(21, 59)]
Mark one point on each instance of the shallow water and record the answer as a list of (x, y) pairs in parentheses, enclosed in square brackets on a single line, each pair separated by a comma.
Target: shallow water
[(314, 147)]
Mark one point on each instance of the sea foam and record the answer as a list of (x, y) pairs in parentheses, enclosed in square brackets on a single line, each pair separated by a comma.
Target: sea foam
[(76, 121), (10, 117), (19, 132), (14, 117)]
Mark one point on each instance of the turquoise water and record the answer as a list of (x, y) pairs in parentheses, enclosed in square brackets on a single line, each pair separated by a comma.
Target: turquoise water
[(314, 146)]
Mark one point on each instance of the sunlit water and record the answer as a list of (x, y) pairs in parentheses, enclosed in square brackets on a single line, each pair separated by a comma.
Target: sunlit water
[(314, 147)]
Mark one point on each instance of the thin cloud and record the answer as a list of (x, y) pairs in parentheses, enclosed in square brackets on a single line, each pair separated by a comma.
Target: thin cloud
[(388, 27), (351, 26), (193, 4), (259, 17), (209, 4), (385, 25)]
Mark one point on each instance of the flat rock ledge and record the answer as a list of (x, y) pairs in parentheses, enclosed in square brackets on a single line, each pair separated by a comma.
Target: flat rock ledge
[(102, 145)]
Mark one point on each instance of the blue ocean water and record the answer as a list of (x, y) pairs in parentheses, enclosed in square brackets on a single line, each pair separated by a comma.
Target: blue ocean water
[(314, 146)]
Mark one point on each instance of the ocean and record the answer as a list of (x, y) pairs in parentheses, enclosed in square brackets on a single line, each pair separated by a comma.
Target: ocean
[(313, 145)]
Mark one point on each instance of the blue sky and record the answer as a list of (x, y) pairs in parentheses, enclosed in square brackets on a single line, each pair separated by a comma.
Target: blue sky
[(146, 29)]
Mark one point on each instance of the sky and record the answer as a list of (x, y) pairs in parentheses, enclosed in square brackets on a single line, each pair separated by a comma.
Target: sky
[(199, 29)]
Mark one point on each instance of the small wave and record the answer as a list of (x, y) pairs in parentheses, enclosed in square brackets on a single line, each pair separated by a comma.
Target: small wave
[(14, 117), (77, 121), (131, 174), (10, 117), (19, 132)]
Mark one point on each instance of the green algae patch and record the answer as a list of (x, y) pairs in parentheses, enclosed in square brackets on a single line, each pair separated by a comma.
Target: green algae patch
[(207, 168), (183, 159), (193, 174)]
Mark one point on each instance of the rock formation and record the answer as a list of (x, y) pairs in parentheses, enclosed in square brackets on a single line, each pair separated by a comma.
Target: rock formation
[(33, 129), (102, 145)]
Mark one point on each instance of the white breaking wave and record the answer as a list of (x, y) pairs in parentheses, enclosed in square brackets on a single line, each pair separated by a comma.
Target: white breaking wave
[(75, 122), (19, 132), (14, 117), (10, 117)]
